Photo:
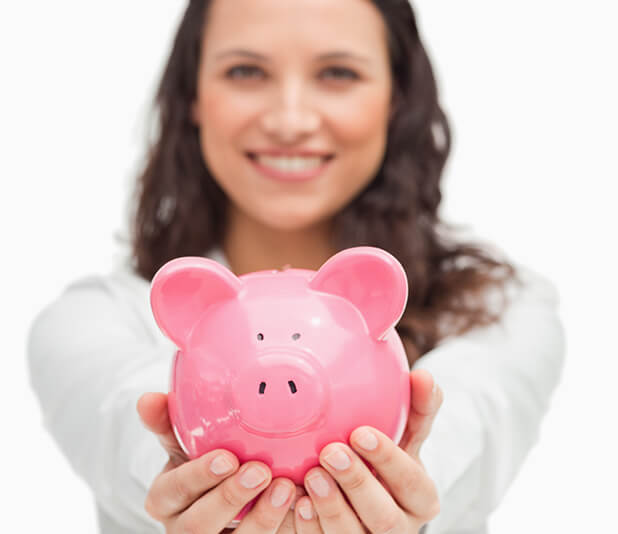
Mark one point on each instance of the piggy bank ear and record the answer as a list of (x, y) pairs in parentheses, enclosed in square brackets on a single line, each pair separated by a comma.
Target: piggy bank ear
[(184, 288), (371, 279)]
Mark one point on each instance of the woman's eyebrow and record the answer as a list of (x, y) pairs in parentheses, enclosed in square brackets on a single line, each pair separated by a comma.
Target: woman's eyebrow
[(340, 54)]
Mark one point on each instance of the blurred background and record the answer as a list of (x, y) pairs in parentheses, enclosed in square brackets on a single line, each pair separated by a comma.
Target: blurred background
[(530, 88)]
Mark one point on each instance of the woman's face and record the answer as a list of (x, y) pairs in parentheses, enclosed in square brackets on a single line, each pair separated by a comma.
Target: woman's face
[(280, 94)]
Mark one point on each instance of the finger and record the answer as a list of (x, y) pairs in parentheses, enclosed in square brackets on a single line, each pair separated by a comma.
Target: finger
[(152, 409), (306, 520), (176, 489), (269, 511), (300, 492), (425, 401), (221, 505), (333, 512), (370, 500), (287, 526), (404, 475)]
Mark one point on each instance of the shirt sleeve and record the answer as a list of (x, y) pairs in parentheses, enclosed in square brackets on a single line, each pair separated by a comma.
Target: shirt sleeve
[(91, 356), (497, 382)]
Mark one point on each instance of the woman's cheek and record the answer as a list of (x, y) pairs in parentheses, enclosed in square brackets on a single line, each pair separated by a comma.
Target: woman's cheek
[(361, 118)]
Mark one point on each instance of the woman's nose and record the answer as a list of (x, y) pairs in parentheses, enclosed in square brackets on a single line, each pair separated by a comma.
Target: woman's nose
[(290, 117)]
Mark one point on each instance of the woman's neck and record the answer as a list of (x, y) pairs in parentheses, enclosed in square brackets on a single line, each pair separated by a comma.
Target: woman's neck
[(249, 246)]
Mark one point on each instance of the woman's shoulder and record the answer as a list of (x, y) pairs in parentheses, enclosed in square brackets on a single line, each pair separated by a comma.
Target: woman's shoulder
[(120, 284), (112, 300), (528, 301), (532, 284), (119, 294)]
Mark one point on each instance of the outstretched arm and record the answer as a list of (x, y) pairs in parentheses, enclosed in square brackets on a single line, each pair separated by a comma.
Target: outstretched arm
[(497, 383), (90, 357)]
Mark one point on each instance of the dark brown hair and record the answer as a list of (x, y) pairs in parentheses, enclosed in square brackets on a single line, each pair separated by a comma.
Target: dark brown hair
[(180, 209)]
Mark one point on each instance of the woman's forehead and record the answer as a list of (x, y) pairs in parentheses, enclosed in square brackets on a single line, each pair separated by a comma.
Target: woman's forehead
[(317, 25)]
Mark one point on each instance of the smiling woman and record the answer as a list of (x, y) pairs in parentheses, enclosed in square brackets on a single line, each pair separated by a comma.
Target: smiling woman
[(292, 100), (289, 131), (248, 83)]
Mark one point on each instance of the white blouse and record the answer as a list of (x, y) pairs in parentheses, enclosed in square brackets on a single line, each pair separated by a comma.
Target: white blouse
[(96, 348)]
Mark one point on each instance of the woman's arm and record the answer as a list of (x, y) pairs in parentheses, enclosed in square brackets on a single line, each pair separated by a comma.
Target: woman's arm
[(90, 357), (497, 383)]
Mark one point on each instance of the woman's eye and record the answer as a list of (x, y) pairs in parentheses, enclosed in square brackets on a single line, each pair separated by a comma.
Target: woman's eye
[(249, 71), (242, 68), (347, 73)]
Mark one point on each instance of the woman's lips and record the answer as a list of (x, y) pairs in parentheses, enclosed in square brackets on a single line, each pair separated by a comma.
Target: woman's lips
[(289, 176)]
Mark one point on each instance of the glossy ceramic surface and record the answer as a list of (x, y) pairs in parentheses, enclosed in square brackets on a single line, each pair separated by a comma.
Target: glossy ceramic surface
[(274, 365)]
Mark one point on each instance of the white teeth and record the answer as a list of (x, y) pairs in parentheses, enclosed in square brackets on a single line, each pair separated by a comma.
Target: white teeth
[(290, 164)]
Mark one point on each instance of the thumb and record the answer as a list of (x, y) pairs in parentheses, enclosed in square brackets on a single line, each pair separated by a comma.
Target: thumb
[(152, 409), (425, 401)]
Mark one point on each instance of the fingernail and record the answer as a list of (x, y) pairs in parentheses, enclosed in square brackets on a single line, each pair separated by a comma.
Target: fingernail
[(221, 465), (253, 477), (318, 484), (338, 459), (305, 511), (280, 494), (366, 439), (434, 388)]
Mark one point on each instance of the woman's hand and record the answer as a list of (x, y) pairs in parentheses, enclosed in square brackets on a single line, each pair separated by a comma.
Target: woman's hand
[(205, 494), (400, 499)]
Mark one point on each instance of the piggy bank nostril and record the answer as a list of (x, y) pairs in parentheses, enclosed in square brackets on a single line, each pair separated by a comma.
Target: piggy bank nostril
[(290, 383)]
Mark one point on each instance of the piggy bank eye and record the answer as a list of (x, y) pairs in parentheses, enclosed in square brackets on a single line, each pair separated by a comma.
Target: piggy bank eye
[(260, 337), (295, 336)]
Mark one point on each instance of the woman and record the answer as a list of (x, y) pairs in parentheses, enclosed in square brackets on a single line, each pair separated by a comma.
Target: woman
[(290, 131)]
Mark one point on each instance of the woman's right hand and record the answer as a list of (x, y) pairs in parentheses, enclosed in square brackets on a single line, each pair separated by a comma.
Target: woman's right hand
[(204, 495)]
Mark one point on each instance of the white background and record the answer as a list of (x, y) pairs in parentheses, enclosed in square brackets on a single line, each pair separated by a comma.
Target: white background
[(530, 88)]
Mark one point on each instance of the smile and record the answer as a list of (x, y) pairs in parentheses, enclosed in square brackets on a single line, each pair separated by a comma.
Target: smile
[(290, 168)]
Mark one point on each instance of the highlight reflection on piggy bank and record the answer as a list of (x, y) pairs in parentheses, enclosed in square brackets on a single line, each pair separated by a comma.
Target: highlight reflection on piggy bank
[(274, 365)]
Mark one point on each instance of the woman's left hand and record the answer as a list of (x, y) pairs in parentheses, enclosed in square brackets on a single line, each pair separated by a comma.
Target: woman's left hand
[(401, 498)]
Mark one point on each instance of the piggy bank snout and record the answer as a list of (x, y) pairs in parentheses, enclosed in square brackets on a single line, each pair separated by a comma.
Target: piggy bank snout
[(281, 392)]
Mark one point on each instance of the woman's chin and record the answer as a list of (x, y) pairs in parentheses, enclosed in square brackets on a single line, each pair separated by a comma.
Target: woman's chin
[(291, 221)]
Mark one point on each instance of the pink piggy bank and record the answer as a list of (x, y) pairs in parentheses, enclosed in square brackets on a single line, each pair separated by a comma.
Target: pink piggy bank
[(274, 365)]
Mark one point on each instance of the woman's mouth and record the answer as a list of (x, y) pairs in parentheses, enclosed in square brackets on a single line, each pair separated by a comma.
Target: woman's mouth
[(295, 168)]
